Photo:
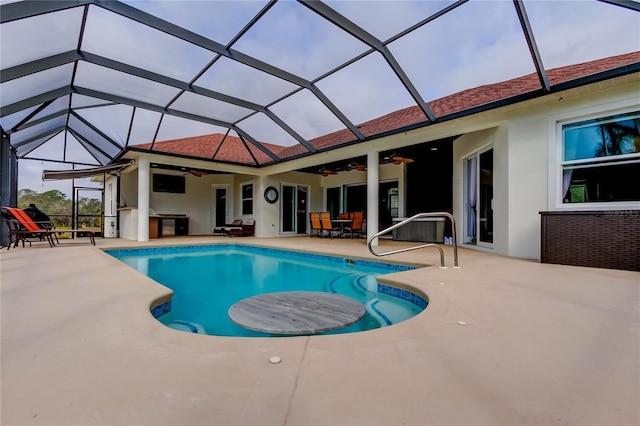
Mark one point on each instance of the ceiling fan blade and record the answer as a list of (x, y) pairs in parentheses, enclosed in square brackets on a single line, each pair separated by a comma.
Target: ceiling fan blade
[(326, 172), (398, 160)]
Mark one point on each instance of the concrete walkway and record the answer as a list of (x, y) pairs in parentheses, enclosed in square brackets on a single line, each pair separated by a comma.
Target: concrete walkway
[(542, 345)]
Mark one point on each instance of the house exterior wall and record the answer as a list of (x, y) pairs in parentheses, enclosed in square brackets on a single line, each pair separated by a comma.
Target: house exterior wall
[(534, 159), (386, 172), (196, 202), (465, 146), (268, 219), (525, 140), (526, 163)]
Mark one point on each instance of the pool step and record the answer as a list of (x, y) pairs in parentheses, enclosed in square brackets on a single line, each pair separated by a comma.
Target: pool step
[(189, 327), (386, 313)]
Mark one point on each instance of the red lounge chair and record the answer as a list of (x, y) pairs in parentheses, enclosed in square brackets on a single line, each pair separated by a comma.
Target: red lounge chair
[(31, 227), (22, 227)]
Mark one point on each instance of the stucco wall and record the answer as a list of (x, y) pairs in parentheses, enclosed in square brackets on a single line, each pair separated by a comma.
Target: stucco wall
[(386, 172), (525, 164), (534, 163), (196, 202), (465, 146), (268, 217), (527, 194), (525, 169)]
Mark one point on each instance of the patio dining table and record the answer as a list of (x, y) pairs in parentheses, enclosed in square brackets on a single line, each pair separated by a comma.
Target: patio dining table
[(342, 223)]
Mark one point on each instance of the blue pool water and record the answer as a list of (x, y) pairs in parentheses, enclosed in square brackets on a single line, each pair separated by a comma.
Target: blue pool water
[(208, 280)]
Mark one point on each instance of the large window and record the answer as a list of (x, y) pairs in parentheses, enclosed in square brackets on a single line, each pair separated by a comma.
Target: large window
[(601, 160), (247, 199)]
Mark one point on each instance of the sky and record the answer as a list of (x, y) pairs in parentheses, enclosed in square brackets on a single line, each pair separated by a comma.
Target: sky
[(480, 42)]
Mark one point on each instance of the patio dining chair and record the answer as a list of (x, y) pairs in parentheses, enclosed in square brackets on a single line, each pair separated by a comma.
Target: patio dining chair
[(316, 225), (325, 220), (356, 226)]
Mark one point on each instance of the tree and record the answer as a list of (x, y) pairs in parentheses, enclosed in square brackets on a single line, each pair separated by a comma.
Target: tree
[(54, 203)]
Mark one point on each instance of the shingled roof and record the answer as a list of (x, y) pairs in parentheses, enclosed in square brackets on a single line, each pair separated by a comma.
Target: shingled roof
[(234, 149), (226, 149)]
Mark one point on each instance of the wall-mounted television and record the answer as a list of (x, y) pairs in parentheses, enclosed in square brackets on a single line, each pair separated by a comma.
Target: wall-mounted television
[(169, 183)]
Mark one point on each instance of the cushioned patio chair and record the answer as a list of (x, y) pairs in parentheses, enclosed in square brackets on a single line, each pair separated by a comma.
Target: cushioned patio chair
[(356, 226), (316, 226), (222, 230), (325, 219), (246, 229)]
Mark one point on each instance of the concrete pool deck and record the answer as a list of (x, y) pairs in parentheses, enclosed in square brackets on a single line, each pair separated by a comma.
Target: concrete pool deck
[(542, 345)]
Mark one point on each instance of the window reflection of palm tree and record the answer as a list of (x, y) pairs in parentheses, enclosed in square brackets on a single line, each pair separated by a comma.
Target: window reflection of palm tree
[(617, 139)]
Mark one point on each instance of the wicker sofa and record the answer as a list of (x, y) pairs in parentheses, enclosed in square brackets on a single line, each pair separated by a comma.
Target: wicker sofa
[(246, 229)]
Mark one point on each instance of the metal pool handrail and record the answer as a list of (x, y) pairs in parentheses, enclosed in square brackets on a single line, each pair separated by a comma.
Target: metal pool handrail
[(412, 218)]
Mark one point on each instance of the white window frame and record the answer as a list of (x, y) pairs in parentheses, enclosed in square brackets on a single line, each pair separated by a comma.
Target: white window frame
[(242, 199), (555, 156)]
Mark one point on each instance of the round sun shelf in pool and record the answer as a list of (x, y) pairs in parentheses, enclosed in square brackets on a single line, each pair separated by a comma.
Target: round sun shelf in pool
[(296, 312)]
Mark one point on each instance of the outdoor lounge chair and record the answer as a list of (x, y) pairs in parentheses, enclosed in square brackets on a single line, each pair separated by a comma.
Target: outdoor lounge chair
[(16, 232), (21, 228), (246, 229), (223, 230), (34, 228)]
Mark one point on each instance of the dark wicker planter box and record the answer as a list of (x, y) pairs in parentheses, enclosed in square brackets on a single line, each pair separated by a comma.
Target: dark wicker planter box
[(601, 239)]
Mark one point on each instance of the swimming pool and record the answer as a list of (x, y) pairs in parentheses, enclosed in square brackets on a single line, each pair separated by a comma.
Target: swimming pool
[(208, 280)]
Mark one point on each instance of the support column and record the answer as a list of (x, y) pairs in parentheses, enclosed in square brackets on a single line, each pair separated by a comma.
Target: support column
[(372, 195), (13, 191), (8, 173), (143, 199)]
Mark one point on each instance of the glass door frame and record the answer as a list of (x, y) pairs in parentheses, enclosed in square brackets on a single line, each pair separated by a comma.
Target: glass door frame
[(227, 213), (294, 206), (472, 225), (76, 215)]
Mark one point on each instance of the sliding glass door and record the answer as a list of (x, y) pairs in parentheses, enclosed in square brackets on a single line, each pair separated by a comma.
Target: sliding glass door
[(293, 213), (220, 209), (478, 204)]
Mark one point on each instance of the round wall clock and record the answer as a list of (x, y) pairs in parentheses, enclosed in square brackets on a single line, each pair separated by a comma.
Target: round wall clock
[(271, 195)]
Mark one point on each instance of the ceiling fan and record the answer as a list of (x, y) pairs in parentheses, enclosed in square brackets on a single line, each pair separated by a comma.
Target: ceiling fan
[(326, 172), (356, 166), (396, 159)]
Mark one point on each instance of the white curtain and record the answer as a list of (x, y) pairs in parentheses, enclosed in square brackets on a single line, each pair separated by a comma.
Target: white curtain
[(566, 182), (472, 195)]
